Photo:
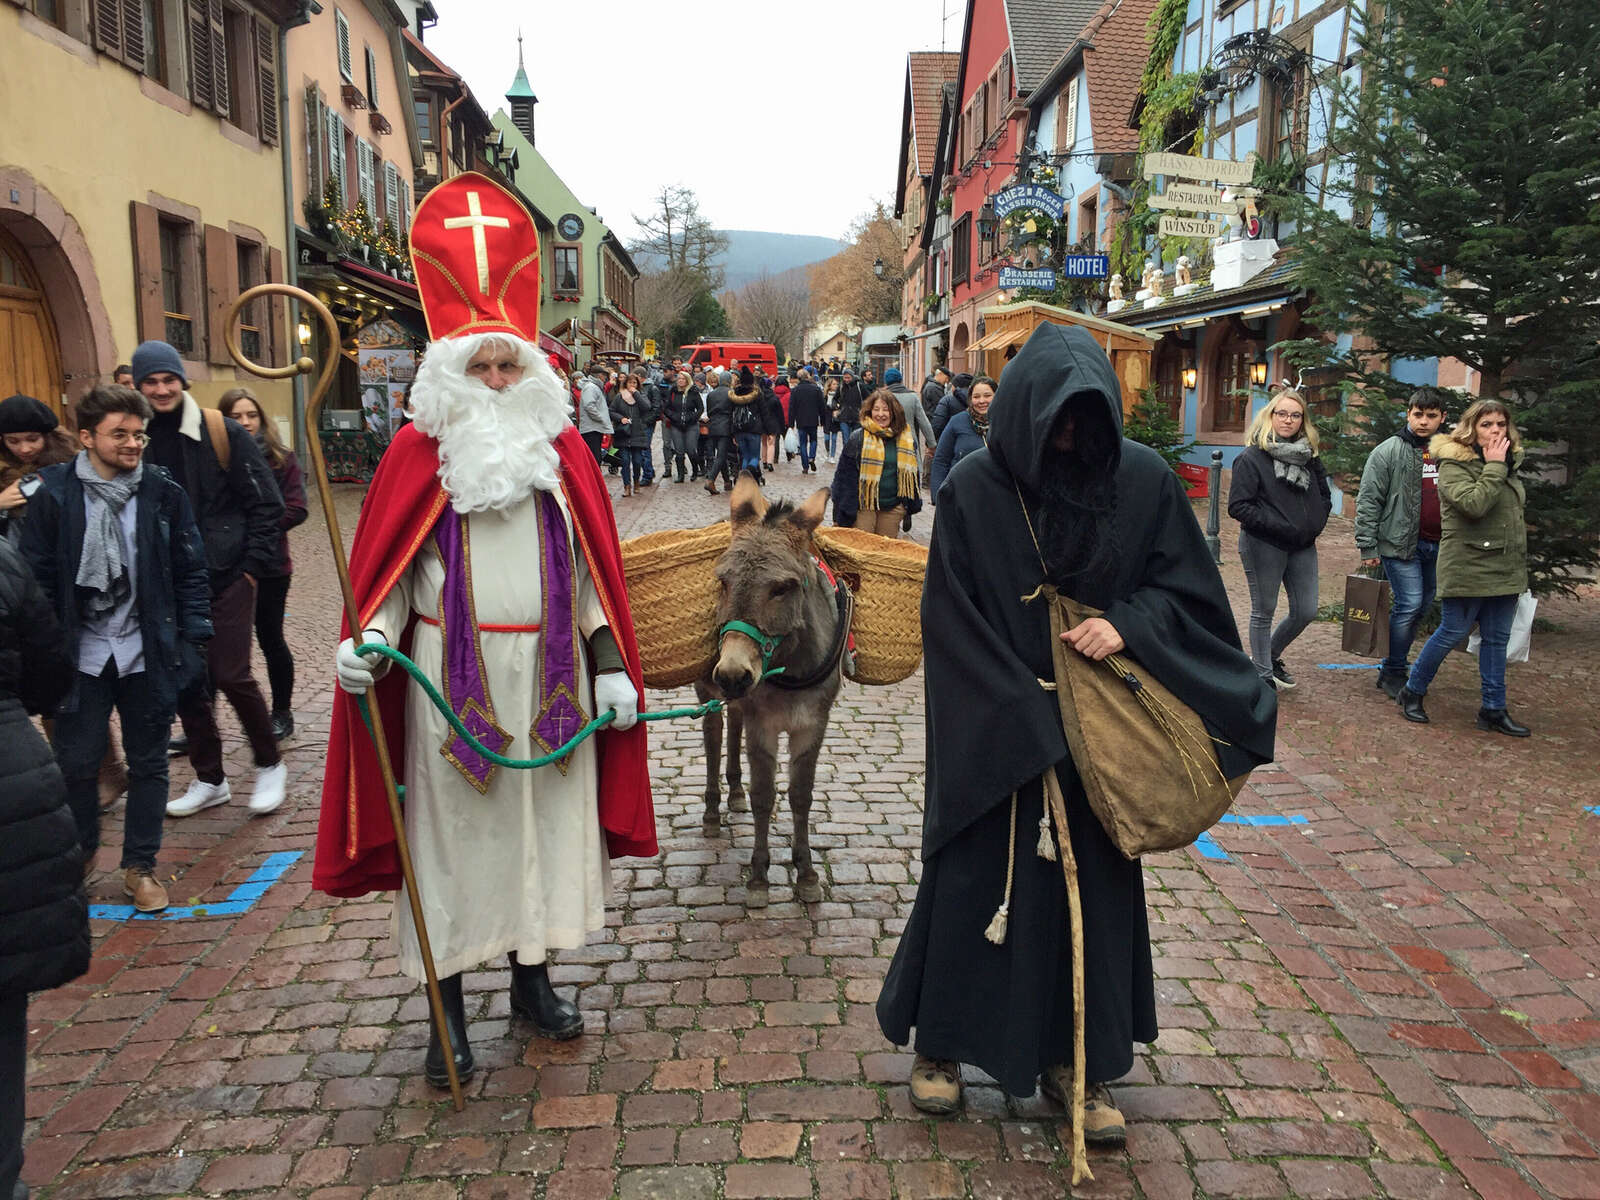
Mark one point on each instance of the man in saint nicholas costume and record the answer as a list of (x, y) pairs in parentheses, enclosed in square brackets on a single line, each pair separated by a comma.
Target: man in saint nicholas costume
[(487, 551)]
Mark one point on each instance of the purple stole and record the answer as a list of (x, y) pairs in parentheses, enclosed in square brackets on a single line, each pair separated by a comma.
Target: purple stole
[(466, 682)]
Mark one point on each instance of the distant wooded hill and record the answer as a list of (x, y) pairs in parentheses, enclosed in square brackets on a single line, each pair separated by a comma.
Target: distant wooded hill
[(752, 253)]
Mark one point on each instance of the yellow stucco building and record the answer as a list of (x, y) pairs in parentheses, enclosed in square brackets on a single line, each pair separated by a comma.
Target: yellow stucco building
[(142, 188)]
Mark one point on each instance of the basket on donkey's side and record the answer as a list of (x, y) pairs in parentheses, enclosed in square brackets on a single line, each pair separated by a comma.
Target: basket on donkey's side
[(886, 575), (673, 594)]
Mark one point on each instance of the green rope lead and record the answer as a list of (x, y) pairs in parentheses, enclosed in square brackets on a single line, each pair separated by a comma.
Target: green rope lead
[(520, 764)]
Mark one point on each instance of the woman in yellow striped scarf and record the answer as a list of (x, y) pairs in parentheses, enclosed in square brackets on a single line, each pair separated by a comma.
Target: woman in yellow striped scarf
[(877, 486)]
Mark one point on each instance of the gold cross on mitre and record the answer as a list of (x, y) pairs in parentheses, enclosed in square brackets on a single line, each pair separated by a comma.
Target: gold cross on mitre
[(477, 222)]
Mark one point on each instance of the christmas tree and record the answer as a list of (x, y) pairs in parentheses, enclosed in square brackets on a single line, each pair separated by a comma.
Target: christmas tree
[(1460, 219)]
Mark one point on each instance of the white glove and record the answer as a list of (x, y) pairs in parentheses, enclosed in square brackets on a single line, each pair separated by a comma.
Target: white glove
[(358, 672), (615, 690)]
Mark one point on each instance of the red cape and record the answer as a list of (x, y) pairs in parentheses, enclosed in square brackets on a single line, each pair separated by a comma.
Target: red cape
[(355, 840)]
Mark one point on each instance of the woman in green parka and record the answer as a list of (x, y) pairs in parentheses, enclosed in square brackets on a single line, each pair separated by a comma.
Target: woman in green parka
[(1483, 556)]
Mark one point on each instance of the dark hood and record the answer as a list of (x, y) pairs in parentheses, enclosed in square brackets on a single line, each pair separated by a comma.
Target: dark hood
[(1058, 363)]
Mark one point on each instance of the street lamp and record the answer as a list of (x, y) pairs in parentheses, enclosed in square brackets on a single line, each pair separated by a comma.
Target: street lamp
[(1258, 372), (1190, 377), (877, 267)]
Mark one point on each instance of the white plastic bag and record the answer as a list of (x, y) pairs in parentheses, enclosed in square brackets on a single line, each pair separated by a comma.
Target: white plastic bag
[(791, 442), (1521, 631)]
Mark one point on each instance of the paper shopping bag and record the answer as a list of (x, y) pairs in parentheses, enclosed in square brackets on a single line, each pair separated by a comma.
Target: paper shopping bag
[(1366, 616)]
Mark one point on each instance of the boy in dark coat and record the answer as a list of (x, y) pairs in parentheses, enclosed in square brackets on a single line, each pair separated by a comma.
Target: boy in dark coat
[(1114, 531)]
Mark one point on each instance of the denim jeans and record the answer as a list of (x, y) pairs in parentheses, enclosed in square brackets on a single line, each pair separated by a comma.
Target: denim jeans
[(81, 744), (845, 430), (1492, 615), (635, 464), (808, 447), (1266, 569), (749, 452), (830, 439), (1411, 588)]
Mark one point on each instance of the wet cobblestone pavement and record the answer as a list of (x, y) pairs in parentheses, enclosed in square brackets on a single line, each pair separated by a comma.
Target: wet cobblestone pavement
[(1388, 987)]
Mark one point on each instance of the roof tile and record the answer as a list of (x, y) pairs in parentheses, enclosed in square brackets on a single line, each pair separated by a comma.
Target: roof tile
[(930, 71), (1041, 32)]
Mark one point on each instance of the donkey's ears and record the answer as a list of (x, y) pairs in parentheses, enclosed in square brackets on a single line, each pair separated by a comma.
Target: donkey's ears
[(747, 503), (809, 514)]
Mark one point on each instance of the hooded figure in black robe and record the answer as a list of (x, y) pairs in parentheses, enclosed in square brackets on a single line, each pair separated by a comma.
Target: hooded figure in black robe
[(1114, 530)]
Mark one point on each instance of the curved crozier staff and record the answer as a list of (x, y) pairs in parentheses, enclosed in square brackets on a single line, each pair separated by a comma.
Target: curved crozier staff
[(370, 713)]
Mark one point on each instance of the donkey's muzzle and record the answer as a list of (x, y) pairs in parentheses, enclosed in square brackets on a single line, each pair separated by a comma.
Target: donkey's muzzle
[(734, 679)]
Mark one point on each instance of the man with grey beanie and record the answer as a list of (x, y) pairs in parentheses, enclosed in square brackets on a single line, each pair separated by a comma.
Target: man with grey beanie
[(239, 509)]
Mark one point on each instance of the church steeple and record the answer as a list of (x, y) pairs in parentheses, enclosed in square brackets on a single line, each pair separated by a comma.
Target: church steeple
[(521, 97)]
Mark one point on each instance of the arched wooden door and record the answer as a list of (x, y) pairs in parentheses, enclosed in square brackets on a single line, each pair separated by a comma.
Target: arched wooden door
[(30, 357)]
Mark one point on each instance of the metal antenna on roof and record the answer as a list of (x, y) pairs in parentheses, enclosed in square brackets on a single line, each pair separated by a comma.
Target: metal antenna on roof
[(944, 20)]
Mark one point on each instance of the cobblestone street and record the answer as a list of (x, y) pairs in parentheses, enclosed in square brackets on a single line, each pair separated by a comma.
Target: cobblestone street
[(1378, 979)]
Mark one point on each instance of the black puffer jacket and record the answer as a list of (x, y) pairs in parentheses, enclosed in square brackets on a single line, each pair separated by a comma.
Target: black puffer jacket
[(44, 918)]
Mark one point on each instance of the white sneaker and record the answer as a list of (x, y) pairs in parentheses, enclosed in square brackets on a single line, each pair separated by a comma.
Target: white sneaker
[(200, 796), (270, 783)]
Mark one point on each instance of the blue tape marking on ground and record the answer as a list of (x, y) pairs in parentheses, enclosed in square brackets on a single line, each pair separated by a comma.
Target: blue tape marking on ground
[(1262, 819), (241, 900), (1208, 848), (1592, 808), (1348, 666)]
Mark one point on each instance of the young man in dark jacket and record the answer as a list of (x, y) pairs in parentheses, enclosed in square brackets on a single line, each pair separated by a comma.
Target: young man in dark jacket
[(933, 391), (42, 907), (848, 401), (720, 457), (1398, 524), (114, 546), (806, 403), (239, 511)]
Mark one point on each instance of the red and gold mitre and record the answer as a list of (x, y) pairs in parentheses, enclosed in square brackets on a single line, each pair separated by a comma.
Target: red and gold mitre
[(475, 251)]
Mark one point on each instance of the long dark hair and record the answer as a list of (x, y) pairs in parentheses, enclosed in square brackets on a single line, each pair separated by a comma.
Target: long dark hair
[(271, 443), (58, 448)]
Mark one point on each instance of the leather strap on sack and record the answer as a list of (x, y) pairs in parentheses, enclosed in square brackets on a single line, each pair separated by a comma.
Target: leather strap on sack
[(1057, 804), (218, 433)]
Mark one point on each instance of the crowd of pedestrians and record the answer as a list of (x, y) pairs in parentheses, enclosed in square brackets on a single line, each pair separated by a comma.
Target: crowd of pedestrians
[(157, 537)]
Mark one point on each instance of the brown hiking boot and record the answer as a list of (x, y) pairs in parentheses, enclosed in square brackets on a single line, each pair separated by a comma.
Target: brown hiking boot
[(935, 1086), (148, 895), (1103, 1124)]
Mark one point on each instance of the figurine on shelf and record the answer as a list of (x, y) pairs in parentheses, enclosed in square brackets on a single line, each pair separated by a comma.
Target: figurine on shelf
[(1182, 275), (1116, 286), (1158, 279)]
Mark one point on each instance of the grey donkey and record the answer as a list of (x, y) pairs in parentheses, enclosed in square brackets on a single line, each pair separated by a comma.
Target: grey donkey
[(793, 618)]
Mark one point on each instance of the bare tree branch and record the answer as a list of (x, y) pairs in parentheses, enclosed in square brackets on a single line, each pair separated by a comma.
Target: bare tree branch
[(678, 237)]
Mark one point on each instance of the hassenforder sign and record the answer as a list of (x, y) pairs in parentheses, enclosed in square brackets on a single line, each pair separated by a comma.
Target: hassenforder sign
[(1189, 227), (1207, 170)]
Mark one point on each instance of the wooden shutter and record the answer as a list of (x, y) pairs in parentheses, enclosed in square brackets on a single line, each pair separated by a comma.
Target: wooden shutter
[(202, 76), (221, 95), (1069, 116), (146, 227), (336, 161), (266, 39), (133, 48), (278, 322), (316, 168), (365, 183), (342, 29), (372, 80), (391, 195), (222, 287), (108, 26)]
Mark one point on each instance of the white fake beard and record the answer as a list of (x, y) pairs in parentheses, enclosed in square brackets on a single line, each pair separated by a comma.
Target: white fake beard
[(495, 448)]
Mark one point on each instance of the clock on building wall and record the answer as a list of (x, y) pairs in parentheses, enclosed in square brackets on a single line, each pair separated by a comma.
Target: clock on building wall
[(570, 227)]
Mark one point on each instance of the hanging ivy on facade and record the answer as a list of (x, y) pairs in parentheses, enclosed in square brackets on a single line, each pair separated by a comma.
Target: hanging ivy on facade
[(1173, 101)]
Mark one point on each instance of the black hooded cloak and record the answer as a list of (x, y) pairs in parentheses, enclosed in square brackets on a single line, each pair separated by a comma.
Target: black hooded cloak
[(992, 730)]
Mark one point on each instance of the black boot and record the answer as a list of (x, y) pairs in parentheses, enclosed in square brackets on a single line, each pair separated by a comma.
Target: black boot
[(1498, 720), (282, 724), (455, 1020), (534, 998), (1411, 705), (1390, 682)]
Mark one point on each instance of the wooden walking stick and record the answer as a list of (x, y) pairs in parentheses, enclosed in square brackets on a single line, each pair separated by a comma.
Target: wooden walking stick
[(319, 468)]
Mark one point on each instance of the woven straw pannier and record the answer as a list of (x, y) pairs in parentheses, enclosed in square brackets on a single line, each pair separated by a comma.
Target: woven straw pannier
[(886, 575), (673, 594)]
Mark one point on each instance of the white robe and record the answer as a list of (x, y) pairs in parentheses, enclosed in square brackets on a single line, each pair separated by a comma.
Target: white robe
[(523, 867)]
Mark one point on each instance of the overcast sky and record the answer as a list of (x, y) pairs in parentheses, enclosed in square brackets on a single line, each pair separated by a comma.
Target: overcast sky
[(746, 81)]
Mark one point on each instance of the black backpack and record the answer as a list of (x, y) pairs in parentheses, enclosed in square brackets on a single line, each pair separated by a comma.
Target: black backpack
[(747, 417)]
